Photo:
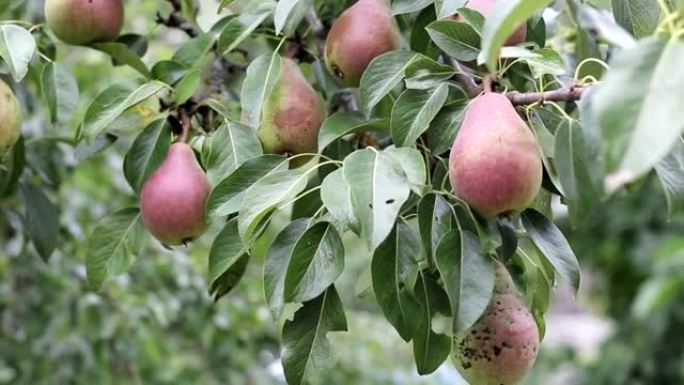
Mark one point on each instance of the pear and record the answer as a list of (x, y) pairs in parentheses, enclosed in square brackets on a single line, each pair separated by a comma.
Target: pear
[(363, 32), (485, 8), (502, 346), (173, 200), (292, 114), (10, 118), (495, 163), (79, 22)]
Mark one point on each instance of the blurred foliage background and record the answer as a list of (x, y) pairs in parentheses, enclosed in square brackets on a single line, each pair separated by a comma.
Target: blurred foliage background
[(157, 324)]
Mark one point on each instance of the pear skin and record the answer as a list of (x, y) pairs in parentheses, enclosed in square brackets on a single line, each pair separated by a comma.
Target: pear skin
[(10, 118), (173, 200), (363, 32), (495, 163), (501, 348), (80, 22), (293, 114)]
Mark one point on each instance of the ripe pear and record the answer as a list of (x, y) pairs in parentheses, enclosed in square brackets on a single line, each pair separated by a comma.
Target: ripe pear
[(79, 22), (292, 114), (363, 32), (10, 118), (173, 200), (502, 346), (495, 163), (485, 8)]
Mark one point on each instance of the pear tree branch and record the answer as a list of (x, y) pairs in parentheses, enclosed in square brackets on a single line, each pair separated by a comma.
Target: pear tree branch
[(177, 20), (473, 89)]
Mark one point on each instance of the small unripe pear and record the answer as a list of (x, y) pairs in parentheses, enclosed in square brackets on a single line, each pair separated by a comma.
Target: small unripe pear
[(10, 118), (80, 22), (502, 346), (292, 114), (485, 8), (495, 163), (173, 200), (363, 32)]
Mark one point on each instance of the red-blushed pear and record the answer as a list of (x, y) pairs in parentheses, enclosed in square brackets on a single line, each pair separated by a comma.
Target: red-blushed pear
[(363, 32), (173, 200), (485, 8), (502, 346), (292, 114), (10, 118), (81, 22), (495, 163)]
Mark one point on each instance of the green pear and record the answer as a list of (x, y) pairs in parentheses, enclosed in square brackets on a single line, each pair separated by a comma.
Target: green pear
[(173, 200), (485, 8), (362, 33), (495, 163), (80, 22), (292, 114), (501, 348), (10, 118)]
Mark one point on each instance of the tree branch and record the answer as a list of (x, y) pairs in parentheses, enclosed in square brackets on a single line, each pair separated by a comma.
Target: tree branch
[(177, 20), (473, 89)]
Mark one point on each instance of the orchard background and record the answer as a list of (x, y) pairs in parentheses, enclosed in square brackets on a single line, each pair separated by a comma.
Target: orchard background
[(310, 260)]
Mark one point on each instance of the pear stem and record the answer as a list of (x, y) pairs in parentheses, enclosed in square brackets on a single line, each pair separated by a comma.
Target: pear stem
[(185, 124), (488, 83)]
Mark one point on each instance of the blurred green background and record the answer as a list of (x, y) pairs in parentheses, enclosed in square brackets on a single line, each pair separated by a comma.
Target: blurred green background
[(157, 324)]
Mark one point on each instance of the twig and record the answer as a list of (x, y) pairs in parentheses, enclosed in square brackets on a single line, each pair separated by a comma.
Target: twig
[(177, 20), (462, 77), (570, 94), (185, 123)]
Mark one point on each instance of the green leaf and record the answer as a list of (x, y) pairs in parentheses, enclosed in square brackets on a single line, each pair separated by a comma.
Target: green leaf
[(430, 349), (670, 171), (226, 198), (194, 50), (316, 262), (413, 112), (336, 197), (266, 194), (13, 164), (457, 39), (343, 123), (394, 272), (113, 245), (473, 18), (60, 92), (306, 351), (383, 74), (503, 21), (400, 7), (169, 71), (447, 8), (231, 145), (413, 164), (187, 86), (553, 245), (424, 73), (627, 116), (224, 4), (435, 220), (17, 46), (240, 28), (262, 76), (112, 102), (228, 260), (289, 14), (147, 153), (123, 54), (546, 61), (468, 277), (573, 167), (277, 262), (444, 127), (378, 191), (42, 220), (639, 17)]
